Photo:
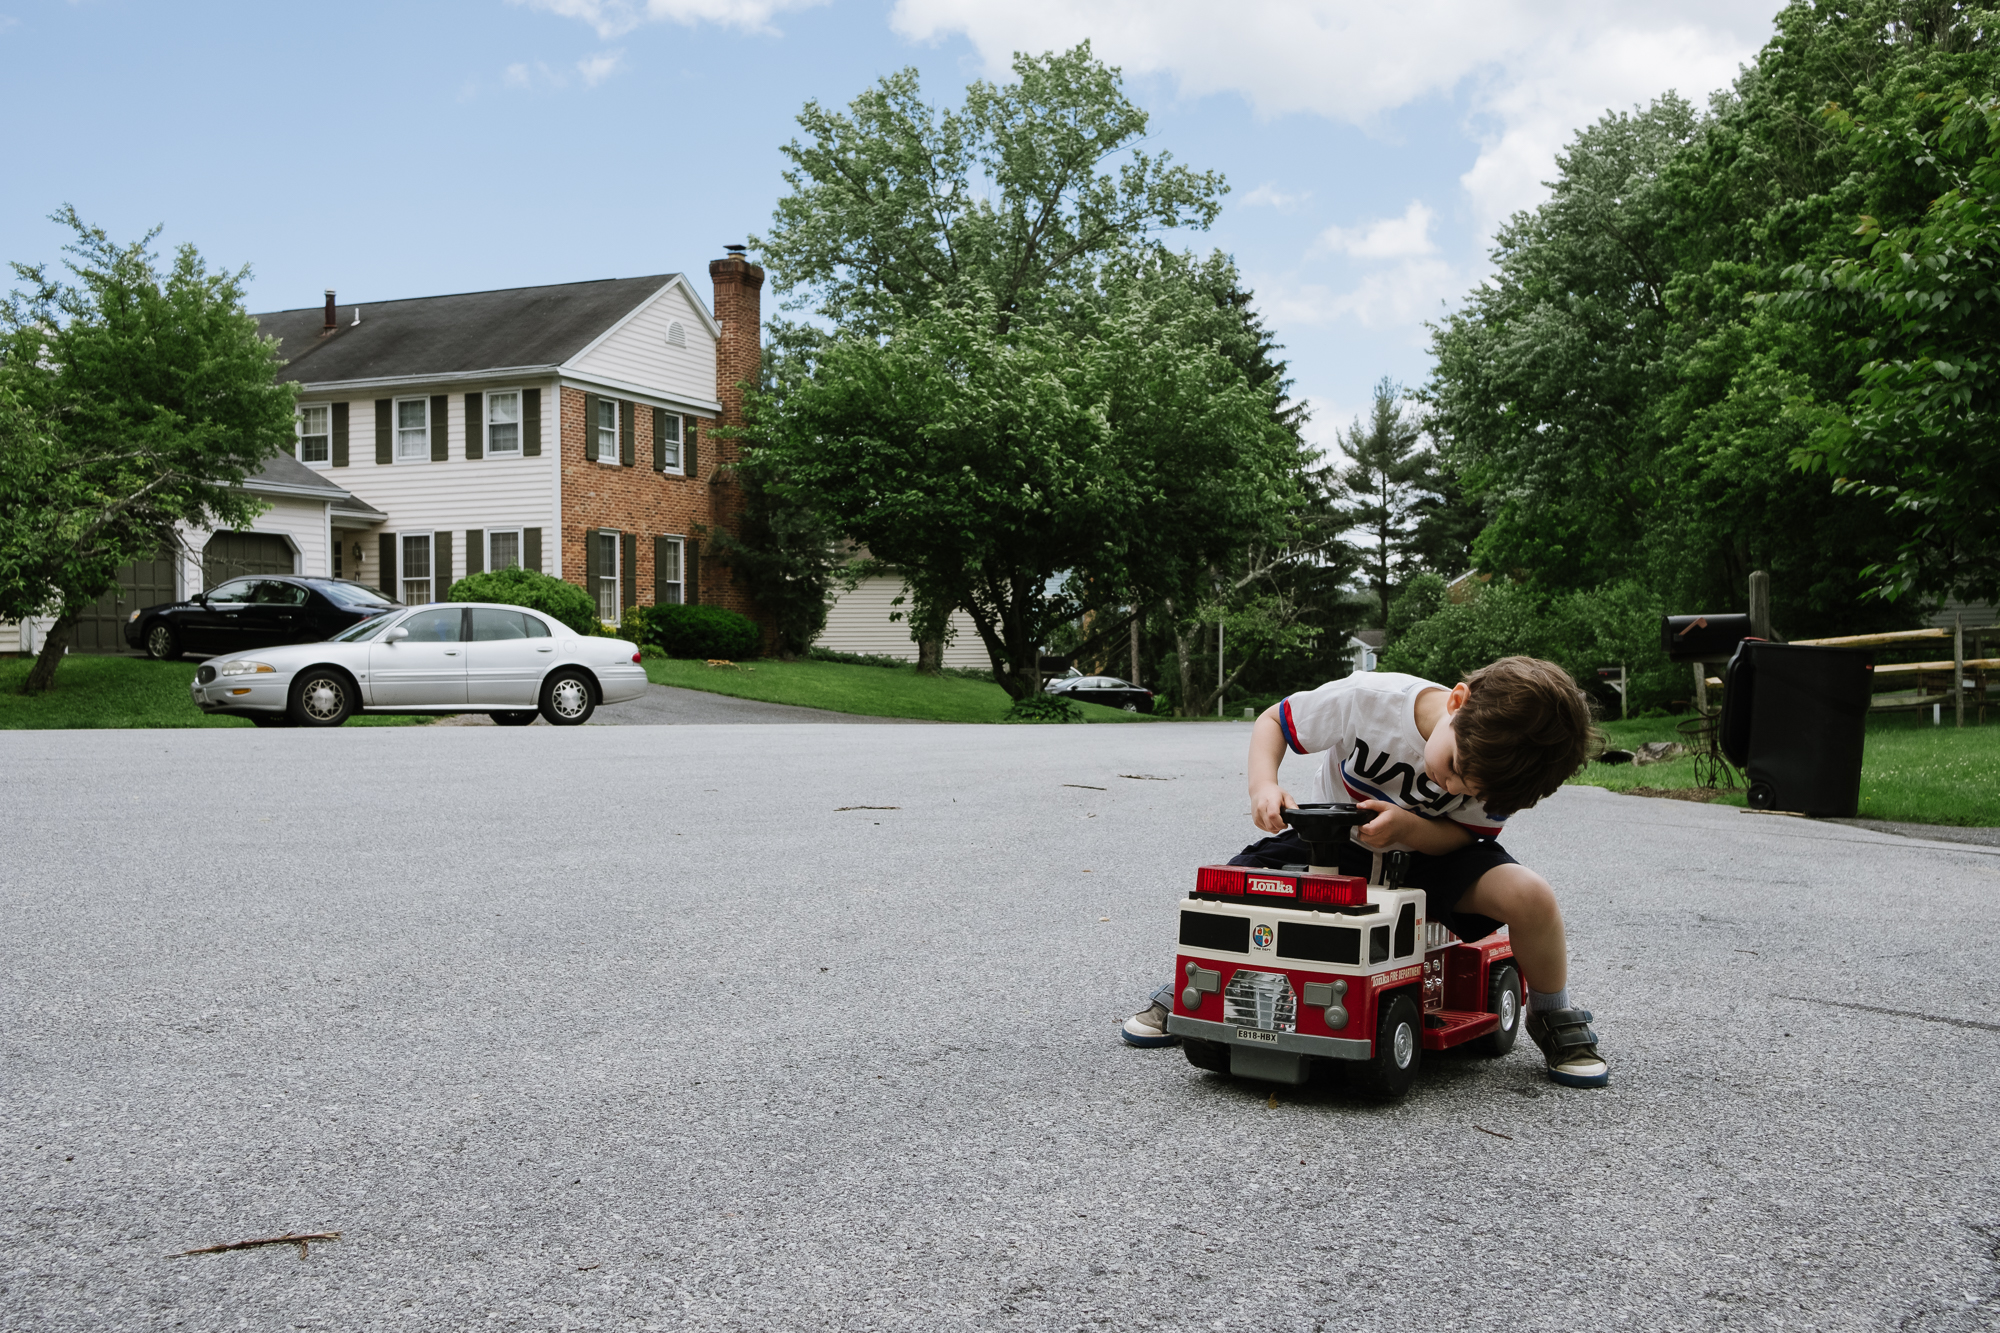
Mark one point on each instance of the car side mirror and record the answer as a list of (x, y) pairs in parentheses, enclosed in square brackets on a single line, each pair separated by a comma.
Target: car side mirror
[(200, 599), (399, 632)]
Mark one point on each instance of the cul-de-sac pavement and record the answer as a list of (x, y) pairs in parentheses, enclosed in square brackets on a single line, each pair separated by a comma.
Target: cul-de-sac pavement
[(815, 1027)]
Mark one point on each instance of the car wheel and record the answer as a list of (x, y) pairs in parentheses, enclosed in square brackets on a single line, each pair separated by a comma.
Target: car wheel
[(1503, 997), (1131, 708), (1210, 1055), (520, 719), (161, 645), (567, 699), (322, 697), (1399, 1050)]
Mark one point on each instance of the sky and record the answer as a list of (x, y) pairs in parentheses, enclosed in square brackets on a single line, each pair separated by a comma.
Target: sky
[(392, 150)]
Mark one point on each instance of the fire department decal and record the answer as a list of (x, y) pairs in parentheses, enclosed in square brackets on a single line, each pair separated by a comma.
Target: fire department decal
[(1261, 937), (1381, 979)]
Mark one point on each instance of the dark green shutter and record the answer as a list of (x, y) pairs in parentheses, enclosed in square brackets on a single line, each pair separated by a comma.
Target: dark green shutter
[(531, 423), (628, 452), (629, 560), (386, 576), (440, 566), (590, 428), (475, 551), (591, 572), (385, 433), (531, 549), (340, 434), (691, 572), (687, 446), (440, 421), (475, 425), (662, 547), (659, 439)]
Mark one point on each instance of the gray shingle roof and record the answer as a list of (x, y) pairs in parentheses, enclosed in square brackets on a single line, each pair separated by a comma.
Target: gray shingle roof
[(282, 474), (448, 335)]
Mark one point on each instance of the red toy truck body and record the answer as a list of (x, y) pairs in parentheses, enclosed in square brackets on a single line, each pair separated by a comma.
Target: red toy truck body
[(1278, 969)]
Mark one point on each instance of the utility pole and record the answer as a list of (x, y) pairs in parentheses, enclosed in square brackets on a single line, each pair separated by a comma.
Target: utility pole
[(1218, 668), (1135, 647)]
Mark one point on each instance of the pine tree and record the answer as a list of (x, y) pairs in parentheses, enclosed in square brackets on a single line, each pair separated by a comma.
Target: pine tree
[(1382, 485)]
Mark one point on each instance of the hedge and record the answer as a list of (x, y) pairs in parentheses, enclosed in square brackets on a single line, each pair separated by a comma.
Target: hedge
[(704, 632)]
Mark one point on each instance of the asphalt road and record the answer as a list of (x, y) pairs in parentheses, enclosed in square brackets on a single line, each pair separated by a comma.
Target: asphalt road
[(631, 1028)]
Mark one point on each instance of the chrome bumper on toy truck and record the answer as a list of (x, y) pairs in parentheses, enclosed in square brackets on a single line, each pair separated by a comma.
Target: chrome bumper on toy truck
[(1328, 1048)]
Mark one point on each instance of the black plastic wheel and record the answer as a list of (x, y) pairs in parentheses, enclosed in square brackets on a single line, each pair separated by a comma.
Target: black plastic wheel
[(322, 697), (1210, 1055), (568, 699), (519, 719), (161, 645), (1399, 1049), (1503, 997), (1762, 796)]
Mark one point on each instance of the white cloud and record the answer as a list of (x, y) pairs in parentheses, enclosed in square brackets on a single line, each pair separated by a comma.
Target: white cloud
[(516, 76), (1394, 298), (614, 18), (1387, 238), (1534, 70), (596, 69), (1268, 195)]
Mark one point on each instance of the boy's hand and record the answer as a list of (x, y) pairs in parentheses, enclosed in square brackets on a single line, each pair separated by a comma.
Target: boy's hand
[(1266, 800), (1389, 827)]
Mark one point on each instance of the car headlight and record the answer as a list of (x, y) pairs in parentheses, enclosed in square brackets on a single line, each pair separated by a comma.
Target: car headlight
[(134, 616), (246, 668)]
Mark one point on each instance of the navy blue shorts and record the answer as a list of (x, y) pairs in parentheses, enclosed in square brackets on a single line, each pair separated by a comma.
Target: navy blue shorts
[(1444, 879)]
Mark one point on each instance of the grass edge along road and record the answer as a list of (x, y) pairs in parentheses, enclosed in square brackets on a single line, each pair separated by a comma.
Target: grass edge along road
[(1911, 772), (843, 687), (93, 691)]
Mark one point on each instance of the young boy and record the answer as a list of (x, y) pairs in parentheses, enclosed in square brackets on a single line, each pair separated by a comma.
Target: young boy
[(1444, 768)]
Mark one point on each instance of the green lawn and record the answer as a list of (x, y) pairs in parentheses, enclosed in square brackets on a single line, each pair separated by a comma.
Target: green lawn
[(95, 691), (1911, 771), (871, 691)]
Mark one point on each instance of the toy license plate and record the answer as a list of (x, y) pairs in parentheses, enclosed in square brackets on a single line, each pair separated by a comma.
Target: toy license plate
[(1256, 1034)]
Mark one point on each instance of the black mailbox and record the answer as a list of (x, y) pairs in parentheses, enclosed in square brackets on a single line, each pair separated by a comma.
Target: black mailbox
[(1702, 638)]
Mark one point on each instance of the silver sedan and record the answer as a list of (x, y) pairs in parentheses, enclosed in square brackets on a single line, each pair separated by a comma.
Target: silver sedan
[(455, 657)]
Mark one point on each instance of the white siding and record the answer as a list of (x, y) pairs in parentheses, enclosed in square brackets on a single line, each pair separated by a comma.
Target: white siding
[(858, 622), (638, 353), (457, 494)]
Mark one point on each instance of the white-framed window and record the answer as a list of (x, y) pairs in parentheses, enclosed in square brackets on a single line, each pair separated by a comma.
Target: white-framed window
[(607, 576), (413, 430), (672, 585), (316, 433), (670, 441), (607, 430), (503, 548), (416, 571), (503, 423)]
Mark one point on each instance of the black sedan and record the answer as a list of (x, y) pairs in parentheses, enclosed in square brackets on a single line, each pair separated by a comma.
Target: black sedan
[(1107, 690), (244, 615)]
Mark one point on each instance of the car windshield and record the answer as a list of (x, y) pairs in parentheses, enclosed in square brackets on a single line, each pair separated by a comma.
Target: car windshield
[(354, 594), (362, 632)]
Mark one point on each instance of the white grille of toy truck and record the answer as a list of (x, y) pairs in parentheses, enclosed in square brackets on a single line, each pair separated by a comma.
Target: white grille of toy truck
[(1436, 936), (1261, 1000)]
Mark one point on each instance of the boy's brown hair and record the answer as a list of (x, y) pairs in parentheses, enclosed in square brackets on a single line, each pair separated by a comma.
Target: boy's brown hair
[(1524, 728)]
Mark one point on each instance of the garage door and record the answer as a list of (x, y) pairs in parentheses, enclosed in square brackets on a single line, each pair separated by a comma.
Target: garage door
[(140, 584), (231, 555)]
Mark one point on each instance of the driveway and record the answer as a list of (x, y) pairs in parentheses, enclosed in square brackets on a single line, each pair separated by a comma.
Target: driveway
[(813, 1027)]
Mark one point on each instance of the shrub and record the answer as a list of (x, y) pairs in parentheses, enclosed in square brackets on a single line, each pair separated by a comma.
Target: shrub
[(704, 632), (538, 592), (1044, 708)]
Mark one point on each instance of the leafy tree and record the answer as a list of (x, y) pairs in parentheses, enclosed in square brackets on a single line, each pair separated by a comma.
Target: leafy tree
[(1381, 484), (133, 404)]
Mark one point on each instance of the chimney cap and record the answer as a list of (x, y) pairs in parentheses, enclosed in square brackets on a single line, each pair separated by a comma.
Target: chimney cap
[(736, 251)]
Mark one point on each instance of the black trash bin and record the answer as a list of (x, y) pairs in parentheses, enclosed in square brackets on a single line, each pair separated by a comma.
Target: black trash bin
[(1794, 720)]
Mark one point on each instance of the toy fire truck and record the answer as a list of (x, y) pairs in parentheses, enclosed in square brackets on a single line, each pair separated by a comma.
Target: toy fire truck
[(1278, 969)]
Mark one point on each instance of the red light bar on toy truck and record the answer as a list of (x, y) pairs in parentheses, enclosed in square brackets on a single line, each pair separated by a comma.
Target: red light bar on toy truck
[(1282, 887)]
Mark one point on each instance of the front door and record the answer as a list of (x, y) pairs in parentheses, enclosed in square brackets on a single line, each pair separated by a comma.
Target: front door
[(216, 625), (509, 654), (427, 668)]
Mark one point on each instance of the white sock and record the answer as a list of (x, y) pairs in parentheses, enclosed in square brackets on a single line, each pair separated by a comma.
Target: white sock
[(1542, 1001)]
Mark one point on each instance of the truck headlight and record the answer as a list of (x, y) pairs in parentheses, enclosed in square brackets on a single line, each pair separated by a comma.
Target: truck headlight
[(247, 668)]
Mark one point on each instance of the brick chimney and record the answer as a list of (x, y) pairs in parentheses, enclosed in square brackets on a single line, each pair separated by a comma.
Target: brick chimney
[(739, 286)]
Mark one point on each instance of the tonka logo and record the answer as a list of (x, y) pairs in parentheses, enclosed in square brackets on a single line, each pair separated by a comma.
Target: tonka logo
[(1283, 886)]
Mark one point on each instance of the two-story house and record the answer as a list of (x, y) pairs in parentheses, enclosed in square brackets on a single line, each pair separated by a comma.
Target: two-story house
[(566, 429)]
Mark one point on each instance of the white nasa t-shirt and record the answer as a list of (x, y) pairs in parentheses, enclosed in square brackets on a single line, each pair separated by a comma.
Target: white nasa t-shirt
[(1366, 725)]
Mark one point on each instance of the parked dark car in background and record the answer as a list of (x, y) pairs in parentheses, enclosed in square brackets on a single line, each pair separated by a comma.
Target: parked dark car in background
[(261, 611), (1107, 690)]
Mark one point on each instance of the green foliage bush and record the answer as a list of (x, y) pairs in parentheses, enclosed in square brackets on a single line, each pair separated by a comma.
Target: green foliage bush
[(1579, 631), (705, 632), (538, 592), (1044, 708)]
